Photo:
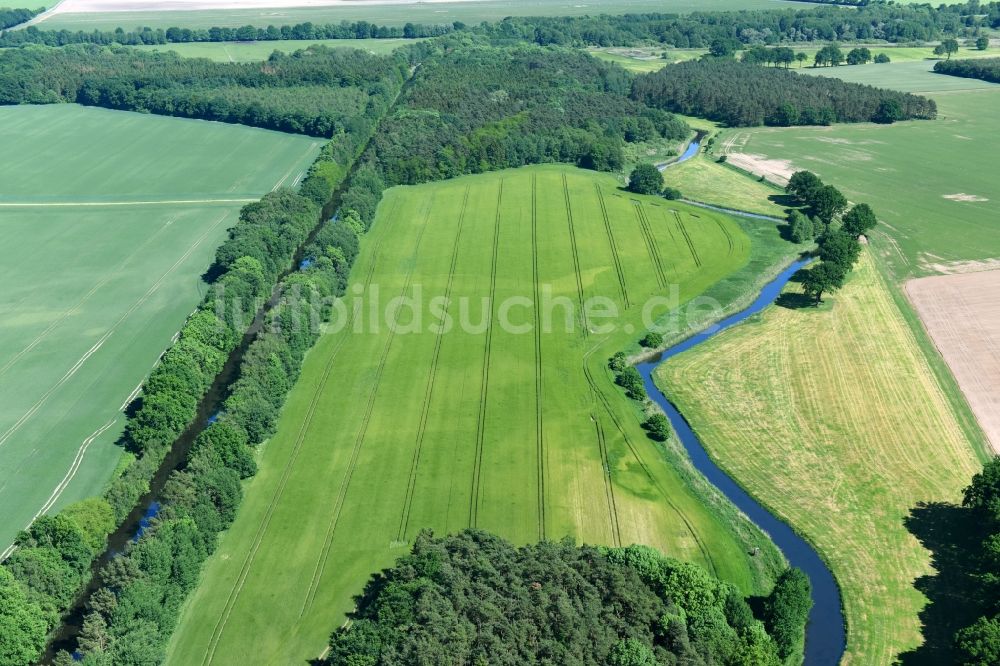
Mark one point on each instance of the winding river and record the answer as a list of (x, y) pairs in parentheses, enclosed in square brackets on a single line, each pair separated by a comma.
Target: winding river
[(825, 633)]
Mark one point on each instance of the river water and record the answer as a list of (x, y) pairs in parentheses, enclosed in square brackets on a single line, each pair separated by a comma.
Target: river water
[(825, 633)]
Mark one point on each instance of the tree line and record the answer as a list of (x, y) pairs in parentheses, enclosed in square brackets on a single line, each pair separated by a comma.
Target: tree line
[(987, 69), (317, 91), (11, 17), (742, 94), (474, 598), (839, 246), (130, 618), (873, 22), (248, 33)]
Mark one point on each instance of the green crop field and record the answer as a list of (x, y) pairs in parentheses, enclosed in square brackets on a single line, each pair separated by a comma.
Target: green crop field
[(834, 418), (109, 218), (467, 11), (924, 178), (522, 433), (255, 51), (915, 76)]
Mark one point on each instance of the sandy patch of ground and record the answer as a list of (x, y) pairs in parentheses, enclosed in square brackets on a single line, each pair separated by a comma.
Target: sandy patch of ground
[(775, 170), (935, 264), (962, 196), (91, 6), (962, 314)]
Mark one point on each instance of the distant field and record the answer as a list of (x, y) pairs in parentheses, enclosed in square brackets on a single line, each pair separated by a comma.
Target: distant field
[(924, 178), (109, 219), (467, 11), (255, 51), (834, 419), (520, 434), (915, 76), (646, 59)]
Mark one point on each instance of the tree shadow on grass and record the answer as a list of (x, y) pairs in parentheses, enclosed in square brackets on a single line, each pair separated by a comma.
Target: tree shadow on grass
[(795, 301), (786, 201), (953, 536)]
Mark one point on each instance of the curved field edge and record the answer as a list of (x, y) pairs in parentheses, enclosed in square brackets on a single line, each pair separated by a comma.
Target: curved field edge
[(835, 420), (314, 555)]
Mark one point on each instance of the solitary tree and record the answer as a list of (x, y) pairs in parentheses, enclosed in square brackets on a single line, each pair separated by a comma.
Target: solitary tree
[(859, 56), (658, 427), (882, 59), (645, 179), (820, 279), (651, 340), (983, 43), (859, 220), (946, 48), (801, 58)]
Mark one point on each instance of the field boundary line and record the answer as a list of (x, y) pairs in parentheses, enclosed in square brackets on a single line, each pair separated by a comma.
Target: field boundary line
[(539, 429), (404, 521), (104, 338), (576, 257), (484, 386), (234, 594), (83, 299), (52, 204), (614, 246), (362, 431), (647, 235)]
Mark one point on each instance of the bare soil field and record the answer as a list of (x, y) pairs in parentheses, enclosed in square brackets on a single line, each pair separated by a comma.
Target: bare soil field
[(962, 316)]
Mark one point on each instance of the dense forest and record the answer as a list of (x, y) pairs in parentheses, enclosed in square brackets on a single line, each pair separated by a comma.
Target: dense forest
[(473, 598), (744, 94), (481, 108), (248, 33), (12, 17), (317, 91), (987, 69)]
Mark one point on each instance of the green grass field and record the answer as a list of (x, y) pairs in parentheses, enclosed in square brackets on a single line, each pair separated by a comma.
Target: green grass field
[(703, 179), (520, 433), (109, 218), (926, 179), (469, 11), (255, 51), (834, 418)]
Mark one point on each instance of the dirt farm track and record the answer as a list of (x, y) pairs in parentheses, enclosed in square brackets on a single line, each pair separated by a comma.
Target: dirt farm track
[(962, 314)]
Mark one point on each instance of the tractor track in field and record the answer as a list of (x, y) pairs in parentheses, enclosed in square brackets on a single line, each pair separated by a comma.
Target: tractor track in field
[(484, 387), (27, 416), (362, 433), (404, 521), (614, 247), (729, 237), (86, 297), (687, 238), (645, 468), (286, 472), (539, 430), (651, 247), (576, 257), (609, 485)]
